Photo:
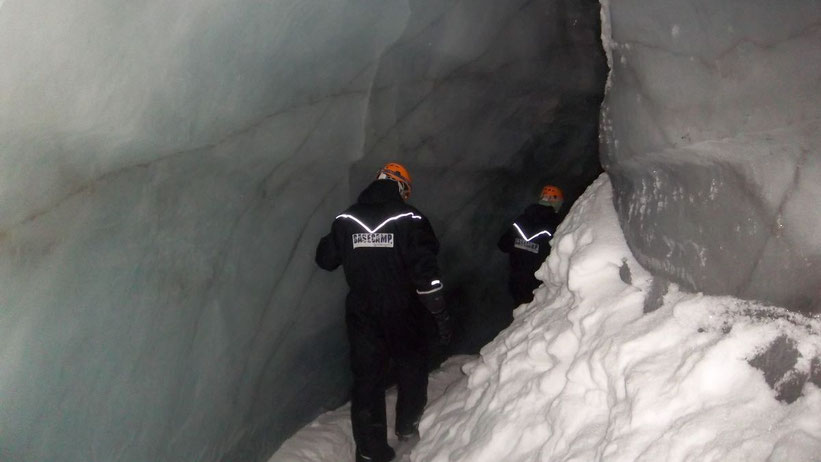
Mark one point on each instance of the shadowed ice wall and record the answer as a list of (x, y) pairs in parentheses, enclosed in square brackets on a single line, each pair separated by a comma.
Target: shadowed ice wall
[(711, 130), (167, 167)]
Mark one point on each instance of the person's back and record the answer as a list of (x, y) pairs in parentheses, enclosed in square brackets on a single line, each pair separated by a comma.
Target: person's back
[(381, 220), (527, 242), (388, 252)]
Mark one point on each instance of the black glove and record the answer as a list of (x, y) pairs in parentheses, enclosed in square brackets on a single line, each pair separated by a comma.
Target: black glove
[(435, 303)]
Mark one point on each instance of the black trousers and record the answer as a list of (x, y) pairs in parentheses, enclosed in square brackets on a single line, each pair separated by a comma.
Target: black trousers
[(521, 285), (384, 330)]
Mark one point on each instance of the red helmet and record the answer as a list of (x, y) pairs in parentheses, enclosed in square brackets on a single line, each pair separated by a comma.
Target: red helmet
[(399, 174), (552, 193)]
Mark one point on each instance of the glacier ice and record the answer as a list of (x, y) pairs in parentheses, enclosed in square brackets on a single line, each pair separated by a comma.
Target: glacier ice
[(711, 134), (166, 172), (167, 168)]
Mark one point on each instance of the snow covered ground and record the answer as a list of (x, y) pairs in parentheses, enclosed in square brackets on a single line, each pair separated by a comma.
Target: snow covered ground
[(329, 437), (586, 372)]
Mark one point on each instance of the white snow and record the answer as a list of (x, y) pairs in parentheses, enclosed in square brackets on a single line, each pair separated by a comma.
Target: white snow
[(329, 437), (584, 374)]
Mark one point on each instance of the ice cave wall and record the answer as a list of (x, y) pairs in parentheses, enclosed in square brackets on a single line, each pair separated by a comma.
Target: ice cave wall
[(168, 167), (712, 133), (485, 104)]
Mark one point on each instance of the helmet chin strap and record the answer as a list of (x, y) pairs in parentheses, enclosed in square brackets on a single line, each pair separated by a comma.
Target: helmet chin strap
[(556, 204)]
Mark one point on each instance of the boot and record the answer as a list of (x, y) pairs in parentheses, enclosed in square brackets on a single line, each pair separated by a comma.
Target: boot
[(409, 435), (386, 455), (405, 433)]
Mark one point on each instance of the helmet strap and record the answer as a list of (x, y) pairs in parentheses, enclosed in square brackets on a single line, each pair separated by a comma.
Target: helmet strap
[(556, 204), (404, 190)]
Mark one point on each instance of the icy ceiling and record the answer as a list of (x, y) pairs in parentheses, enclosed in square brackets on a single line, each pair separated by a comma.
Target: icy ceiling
[(168, 166)]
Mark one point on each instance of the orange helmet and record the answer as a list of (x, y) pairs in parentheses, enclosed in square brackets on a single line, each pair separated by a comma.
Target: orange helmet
[(552, 193), (399, 174)]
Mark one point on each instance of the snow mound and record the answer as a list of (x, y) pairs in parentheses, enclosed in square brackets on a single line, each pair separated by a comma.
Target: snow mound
[(585, 373)]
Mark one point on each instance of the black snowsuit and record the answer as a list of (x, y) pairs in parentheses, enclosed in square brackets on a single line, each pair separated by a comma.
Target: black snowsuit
[(388, 252), (527, 241)]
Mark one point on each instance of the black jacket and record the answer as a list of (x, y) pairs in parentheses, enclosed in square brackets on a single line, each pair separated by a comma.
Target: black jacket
[(527, 240), (384, 245)]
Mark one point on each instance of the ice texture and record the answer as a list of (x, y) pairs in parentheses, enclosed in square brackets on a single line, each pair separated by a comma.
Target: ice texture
[(711, 132), (168, 167)]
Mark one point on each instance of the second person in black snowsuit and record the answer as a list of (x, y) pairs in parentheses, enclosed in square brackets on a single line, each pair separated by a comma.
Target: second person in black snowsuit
[(388, 250), (527, 242)]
